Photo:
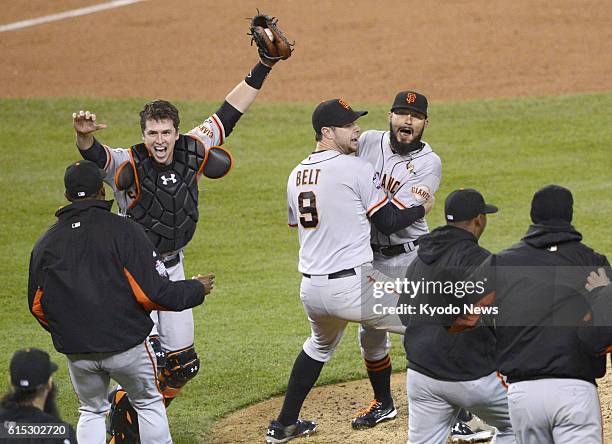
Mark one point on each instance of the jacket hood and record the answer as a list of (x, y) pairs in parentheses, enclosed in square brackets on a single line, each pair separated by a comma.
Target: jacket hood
[(82, 205), (433, 245), (553, 232)]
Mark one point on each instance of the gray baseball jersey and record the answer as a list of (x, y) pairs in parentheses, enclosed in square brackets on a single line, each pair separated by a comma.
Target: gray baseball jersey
[(209, 133), (408, 180), (330, 197)]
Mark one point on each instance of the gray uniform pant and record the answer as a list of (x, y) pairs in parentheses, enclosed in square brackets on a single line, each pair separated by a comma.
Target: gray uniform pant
[(135, 370), (375, 343), (175, 328), (331, 303), (555, 411), (433, 406)]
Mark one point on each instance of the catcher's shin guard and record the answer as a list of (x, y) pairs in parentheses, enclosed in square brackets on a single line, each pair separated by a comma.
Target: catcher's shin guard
[(181, 366), (123, 419)]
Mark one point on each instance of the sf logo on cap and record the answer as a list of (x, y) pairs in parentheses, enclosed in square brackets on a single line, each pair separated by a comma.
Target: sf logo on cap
[(411, 98), (344, 104)]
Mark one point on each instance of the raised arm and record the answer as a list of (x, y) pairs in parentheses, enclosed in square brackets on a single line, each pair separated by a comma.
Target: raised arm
[(273, 46)]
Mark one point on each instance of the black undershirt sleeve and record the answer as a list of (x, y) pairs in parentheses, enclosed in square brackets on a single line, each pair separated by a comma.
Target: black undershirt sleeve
[(390, 219), (96, 154), (228, 115)]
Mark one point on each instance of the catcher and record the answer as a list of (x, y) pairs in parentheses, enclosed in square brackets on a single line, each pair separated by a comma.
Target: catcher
[(156, 184)]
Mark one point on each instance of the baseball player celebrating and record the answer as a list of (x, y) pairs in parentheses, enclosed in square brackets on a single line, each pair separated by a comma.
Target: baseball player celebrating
[(327, 187), (156, 184), (410, 172)]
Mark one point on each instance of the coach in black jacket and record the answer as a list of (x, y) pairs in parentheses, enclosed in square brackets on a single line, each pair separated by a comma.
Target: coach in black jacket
[(94, 278), (449, 371), (539, 289)]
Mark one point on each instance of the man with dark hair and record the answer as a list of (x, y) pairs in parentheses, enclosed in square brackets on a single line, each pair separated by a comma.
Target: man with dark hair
[(156, 184), (32, 399), (448, 372), (409, 171), (94, 279)]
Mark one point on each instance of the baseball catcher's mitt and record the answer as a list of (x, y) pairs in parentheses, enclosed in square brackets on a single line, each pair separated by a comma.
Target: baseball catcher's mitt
[(271, 41)]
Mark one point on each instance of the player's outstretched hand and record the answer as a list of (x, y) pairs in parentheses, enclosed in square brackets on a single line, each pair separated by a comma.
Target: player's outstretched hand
[(429, 203), (207, 280), (85, 123), (596, 279)]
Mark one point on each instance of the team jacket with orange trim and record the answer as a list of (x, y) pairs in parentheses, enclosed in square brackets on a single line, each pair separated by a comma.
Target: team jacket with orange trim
[(447, 254), (542, 304), (94, 278), (330, 198), (408, 180)]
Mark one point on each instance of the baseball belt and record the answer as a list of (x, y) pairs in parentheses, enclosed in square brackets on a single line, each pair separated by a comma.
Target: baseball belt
[(338, 274), (395, 250), (171, 261)]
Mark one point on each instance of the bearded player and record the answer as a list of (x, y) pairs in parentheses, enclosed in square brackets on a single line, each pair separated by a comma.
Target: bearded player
[(156, 183), (410, 173)]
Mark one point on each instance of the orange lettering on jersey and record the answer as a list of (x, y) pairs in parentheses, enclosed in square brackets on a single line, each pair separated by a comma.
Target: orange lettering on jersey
[(420, 192), (411, 98), (206, 130)]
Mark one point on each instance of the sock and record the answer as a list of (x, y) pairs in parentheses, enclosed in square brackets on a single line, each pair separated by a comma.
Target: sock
[(305, 373), (379, 373)]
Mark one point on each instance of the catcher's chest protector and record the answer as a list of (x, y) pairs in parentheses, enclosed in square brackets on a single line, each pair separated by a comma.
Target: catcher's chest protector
[(167, 207)]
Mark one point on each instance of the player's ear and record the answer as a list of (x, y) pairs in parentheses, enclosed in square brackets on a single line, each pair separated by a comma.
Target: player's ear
[(426, 124), (390, 114), (178, 133), (327, 132)]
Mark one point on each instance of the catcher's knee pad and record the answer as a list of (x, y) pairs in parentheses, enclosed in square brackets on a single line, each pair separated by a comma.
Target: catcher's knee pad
[(122, 419), (181, 366)]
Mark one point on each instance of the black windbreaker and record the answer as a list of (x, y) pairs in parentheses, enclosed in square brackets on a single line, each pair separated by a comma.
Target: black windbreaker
[(539, 289), (447, 253), (95, 277)]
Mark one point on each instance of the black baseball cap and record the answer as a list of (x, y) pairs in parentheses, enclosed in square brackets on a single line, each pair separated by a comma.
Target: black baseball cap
[(30, 368), (553, 202), (466, 204), (411, 100), (82, 179), (334, 112)]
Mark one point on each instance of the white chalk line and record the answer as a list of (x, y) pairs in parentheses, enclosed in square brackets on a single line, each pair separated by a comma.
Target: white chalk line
[(66, 14)]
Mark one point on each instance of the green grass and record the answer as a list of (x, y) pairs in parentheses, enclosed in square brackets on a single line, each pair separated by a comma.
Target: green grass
[(252, 327)]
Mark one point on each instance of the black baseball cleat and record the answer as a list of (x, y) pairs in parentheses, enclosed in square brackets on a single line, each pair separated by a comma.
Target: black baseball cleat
[(278, 433), (373, 414), (462, 433)]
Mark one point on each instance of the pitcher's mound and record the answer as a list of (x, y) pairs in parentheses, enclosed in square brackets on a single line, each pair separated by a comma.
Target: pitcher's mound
[(333, 406)]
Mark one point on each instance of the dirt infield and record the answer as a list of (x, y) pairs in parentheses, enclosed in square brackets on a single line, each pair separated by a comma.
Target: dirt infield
[(194, 49), (198, 49), (332, 408)]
